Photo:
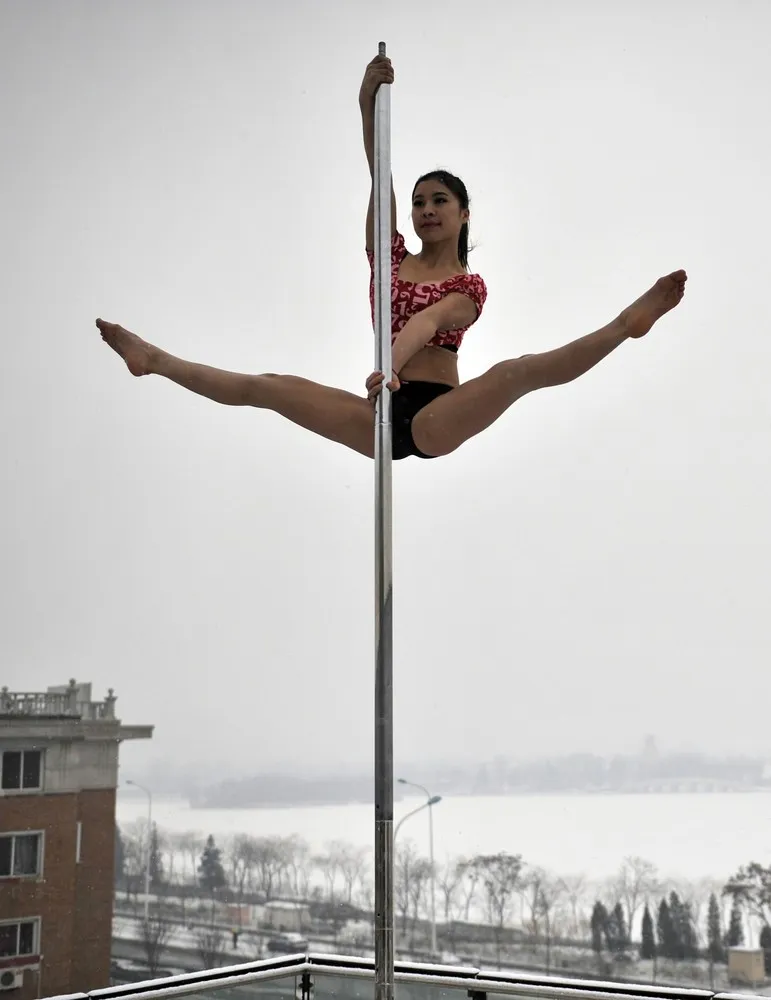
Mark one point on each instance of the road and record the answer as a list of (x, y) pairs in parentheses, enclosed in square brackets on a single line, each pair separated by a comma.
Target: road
[(181, 952)]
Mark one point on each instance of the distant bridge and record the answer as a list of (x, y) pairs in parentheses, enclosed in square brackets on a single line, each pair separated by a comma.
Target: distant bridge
[(676, 786)]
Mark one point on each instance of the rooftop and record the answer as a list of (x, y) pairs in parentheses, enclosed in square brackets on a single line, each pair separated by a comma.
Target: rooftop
[(72, 701), (66, 704)]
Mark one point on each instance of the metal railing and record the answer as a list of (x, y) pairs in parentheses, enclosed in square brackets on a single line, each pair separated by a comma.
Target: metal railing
[(306, 975)]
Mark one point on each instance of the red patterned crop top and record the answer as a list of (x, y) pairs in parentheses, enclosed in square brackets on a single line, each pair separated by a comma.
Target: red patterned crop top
[(408, 297)]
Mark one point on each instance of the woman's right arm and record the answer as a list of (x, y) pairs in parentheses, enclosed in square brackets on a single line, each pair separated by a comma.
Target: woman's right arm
[(377, 73)]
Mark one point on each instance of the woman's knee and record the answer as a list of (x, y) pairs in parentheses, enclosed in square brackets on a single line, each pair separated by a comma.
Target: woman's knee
[(520, 372), (431, 437), (513, 367)]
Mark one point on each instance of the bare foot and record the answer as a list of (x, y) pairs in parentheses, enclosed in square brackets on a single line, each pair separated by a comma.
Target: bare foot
[(136, 352), (659, 299)]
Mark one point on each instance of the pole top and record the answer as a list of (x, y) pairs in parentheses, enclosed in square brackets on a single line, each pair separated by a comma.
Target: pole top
[(381, 49)]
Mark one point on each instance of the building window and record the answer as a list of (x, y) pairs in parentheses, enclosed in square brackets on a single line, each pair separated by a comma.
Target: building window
[(78, 842), (19, 938), (22, 770), (21, 854)]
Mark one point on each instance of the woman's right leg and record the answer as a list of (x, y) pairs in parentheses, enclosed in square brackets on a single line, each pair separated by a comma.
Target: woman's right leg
[(332, 413)]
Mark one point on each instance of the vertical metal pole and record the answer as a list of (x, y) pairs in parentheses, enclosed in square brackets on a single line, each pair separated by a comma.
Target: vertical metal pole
[(149, 852), (433, 876), (384, 773)]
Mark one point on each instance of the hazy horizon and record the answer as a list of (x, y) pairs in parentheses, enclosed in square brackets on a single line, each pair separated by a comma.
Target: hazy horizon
[(592, 568), (207, 772)]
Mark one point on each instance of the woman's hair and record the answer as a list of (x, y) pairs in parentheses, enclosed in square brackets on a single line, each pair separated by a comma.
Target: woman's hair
[(458, 188)]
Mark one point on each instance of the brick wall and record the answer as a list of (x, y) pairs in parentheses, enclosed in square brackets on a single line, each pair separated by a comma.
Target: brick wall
[(74, 901), (94, 891)]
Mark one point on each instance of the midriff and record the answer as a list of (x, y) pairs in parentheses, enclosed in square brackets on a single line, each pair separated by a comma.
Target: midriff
[(432, 364)]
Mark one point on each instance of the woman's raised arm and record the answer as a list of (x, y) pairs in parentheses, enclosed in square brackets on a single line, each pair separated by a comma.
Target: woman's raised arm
[(380, 71)]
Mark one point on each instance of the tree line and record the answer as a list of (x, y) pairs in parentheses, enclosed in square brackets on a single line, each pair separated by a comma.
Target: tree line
[(636, 910), (672, 934)]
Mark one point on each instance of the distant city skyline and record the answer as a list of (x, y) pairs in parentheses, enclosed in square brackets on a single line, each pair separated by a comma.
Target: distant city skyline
[(193, 775)]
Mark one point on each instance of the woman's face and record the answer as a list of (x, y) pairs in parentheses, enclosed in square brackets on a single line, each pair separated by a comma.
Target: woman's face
[(436, 212)]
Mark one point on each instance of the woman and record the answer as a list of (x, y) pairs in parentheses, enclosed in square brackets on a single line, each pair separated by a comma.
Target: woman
[(434, 302)]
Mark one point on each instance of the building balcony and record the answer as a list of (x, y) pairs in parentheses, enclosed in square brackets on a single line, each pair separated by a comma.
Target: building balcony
[(334, 977), (70, 702), (64, 713)]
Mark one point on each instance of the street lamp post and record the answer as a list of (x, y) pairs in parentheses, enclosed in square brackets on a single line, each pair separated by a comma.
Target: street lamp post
[(149, 795), (420, 808), (431, 801)]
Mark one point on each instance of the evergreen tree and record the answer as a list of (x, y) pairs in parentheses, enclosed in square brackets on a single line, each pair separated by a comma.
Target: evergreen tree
[(667, 938), (211, 874), (735, 935), (615, 930), (765, 944), (715, 948), (676, 921), (120, 856), (648, 945), (156, 861), (599, 926)]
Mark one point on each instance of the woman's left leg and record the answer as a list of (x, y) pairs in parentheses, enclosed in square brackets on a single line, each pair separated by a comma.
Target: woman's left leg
[(453, 418)]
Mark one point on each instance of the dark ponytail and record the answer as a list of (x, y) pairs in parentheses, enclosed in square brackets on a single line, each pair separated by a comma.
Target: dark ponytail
[(458, 188), (463, 247)]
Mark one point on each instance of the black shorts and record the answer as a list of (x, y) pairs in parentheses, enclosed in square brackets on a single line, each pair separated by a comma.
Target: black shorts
[(405, 403)]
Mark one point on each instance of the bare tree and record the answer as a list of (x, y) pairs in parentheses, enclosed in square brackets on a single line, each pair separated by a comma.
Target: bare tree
[(405, 861), (634, 885), (329, 866), (138, 832), (173, 855), (575, 887), (190, 845), (162, 860), (529, 888), (285, 850), (500, 877), (210, 943), (242, 852), (270, 863), (551, 892), (420, 879), (175, 864), (154, 934), (469, 885), (366, 894), (450, 880), (299, 866), (352, 863), (135, 846)]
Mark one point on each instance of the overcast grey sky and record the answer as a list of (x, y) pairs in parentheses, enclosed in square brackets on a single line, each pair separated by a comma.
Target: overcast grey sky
[(592, 568)]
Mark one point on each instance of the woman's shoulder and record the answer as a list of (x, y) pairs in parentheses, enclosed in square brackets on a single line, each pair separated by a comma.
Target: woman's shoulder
[(471, 284)]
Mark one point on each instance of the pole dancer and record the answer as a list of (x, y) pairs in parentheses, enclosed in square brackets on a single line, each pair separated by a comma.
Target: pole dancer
[(435, 300)]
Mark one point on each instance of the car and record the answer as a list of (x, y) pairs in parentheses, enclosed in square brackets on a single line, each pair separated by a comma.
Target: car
[(287, 944)]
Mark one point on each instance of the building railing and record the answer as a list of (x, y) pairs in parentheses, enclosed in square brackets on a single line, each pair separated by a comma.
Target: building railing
[(56, 704), (335, 977)]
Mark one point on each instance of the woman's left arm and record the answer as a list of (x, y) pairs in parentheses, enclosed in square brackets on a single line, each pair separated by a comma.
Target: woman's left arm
[(453, 312)]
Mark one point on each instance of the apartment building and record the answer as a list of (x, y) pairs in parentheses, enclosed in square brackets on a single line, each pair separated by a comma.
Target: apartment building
[(58, 779)]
